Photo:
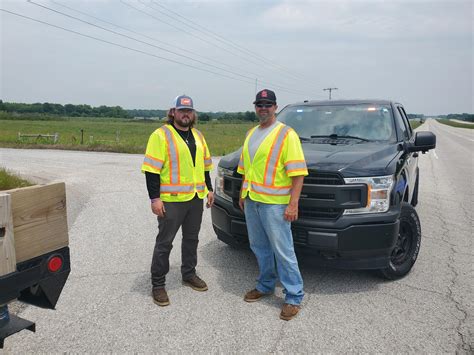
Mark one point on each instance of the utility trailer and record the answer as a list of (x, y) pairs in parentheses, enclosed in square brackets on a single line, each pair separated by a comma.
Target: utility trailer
[(34, 252)]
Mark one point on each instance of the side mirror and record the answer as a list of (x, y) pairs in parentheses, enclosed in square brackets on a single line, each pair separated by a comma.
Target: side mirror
[(424, 141)]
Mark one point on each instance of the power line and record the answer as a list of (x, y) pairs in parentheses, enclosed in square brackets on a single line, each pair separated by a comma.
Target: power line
[(158, 47), (122, 46), (128, 48), (185, 31), (219, 38), (254, 75)]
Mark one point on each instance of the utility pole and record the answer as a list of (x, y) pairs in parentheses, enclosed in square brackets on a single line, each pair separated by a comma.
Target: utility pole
[(256, 82), (329, 89)]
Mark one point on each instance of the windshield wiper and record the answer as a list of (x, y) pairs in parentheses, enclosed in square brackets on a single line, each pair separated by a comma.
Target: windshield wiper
[(336, 136), (305, 139)]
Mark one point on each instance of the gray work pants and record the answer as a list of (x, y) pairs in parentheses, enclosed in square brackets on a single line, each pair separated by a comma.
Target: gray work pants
[(188, 216)]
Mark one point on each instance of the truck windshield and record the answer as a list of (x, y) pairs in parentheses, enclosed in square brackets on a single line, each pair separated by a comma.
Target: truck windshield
[(364, 121)]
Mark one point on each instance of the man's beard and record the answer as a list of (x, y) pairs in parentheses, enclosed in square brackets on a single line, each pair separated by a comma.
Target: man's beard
[(264, 118), (185, 123)]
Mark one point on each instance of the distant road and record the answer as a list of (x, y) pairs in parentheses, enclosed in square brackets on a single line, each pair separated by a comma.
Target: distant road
[(106, 304), (462, 121)]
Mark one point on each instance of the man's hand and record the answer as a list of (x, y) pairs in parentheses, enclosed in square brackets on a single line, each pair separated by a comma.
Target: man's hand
[(210, 199), (242, 203), (158, 207), (291, 212)]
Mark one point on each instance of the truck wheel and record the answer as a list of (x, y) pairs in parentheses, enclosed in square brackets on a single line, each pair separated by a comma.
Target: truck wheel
[(406, 250), (414, 200)]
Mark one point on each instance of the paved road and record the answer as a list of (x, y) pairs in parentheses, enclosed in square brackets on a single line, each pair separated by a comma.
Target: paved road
[(106, 304)]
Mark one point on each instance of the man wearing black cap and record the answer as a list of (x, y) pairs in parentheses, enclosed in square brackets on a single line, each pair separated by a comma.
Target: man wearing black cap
[(273, 168), (177, 165)]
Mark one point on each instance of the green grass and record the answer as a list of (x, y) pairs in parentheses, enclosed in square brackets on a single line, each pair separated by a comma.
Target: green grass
[(415, 124), (9, 181), (101, 135), (456, 124)]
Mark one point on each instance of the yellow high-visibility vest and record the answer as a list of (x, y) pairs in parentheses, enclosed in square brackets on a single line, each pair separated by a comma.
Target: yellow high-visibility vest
[(168, 155), (278, 158)]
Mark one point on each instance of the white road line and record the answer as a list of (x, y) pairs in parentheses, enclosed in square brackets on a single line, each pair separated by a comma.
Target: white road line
[(435, 155)]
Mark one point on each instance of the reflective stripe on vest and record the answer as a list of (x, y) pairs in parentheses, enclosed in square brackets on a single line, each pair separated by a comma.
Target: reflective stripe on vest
[(274, 156), (176, 189), (271, 190), (207, 159), (295, 165), (241, 162), (268, 190), (153, 162), (173, 156)]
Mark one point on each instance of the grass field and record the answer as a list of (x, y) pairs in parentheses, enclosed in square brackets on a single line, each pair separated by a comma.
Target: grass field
[(9, 181), (415, 124), (456, 124), (112, 135)]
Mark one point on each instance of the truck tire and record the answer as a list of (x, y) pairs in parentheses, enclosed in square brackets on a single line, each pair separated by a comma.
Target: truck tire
[(414, 200), (406, 250)]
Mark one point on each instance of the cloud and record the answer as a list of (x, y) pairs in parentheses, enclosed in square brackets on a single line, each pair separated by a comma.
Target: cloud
[(373, 19)]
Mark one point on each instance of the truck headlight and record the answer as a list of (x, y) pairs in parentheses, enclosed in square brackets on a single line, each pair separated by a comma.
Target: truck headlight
[(221, 172), (378, 193)]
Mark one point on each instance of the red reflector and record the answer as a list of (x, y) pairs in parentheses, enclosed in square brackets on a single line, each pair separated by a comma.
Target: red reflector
[(55, 263)]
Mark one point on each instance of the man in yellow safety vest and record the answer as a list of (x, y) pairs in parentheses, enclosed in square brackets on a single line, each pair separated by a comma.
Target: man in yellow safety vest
[(177, 165), (273, 168)]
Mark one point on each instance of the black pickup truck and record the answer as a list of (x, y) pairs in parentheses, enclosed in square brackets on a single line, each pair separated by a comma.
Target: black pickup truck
[(356, 208)]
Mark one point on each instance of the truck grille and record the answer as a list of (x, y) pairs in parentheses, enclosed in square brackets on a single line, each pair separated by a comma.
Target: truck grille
[(323, 179), (324, 195), (313, 178)]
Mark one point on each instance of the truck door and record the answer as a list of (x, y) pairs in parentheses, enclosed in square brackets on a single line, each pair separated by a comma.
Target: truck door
[(407, 135)]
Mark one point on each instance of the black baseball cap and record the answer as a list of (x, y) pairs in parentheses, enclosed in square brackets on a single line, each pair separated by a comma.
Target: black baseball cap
[(265, 95)]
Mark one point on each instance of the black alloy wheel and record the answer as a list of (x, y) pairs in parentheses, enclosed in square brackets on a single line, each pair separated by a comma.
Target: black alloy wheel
[(407, 247)]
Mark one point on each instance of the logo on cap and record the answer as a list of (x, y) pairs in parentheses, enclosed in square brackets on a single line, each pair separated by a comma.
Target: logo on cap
[(264, 94), (185, 101)]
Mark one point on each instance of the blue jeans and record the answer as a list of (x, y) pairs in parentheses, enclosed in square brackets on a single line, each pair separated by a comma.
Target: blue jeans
[(271, 240)]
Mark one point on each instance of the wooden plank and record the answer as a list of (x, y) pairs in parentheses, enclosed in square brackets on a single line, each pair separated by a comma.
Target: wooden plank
[(39, 219), (7, 242)]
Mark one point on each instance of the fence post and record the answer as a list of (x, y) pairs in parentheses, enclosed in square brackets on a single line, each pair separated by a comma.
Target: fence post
[(56, 136)]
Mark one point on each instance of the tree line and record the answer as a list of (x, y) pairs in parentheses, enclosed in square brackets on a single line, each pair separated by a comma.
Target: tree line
[(469, 117), (71, 110), (64, 110)]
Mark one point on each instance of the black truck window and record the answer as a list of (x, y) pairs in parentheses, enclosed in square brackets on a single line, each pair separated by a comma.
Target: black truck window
[(402, 122), (405, 119)]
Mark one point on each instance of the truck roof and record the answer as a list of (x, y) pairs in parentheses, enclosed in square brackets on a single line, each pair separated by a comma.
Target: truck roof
[(342, 102)]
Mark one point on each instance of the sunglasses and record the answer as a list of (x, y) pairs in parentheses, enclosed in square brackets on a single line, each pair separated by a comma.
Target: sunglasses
[(264, 105)]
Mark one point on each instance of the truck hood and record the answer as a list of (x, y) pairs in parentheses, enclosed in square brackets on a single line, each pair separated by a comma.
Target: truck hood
[(351, 160)]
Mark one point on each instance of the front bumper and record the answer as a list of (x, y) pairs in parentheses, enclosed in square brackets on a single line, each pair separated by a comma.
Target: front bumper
[(352, 242)]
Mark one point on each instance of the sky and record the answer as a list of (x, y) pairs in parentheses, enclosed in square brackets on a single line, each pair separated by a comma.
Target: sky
[(143, 53)]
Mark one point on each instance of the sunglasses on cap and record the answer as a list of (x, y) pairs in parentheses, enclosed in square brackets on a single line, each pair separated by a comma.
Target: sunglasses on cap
[(262, 105)]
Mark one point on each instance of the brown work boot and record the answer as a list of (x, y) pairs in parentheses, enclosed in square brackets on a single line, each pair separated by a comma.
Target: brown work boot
[(289, 311), (160, 297), (254, 295), (195, 283)]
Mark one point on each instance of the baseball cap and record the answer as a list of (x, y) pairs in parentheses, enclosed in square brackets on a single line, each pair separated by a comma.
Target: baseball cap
[(265, 95), (183, 101)]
